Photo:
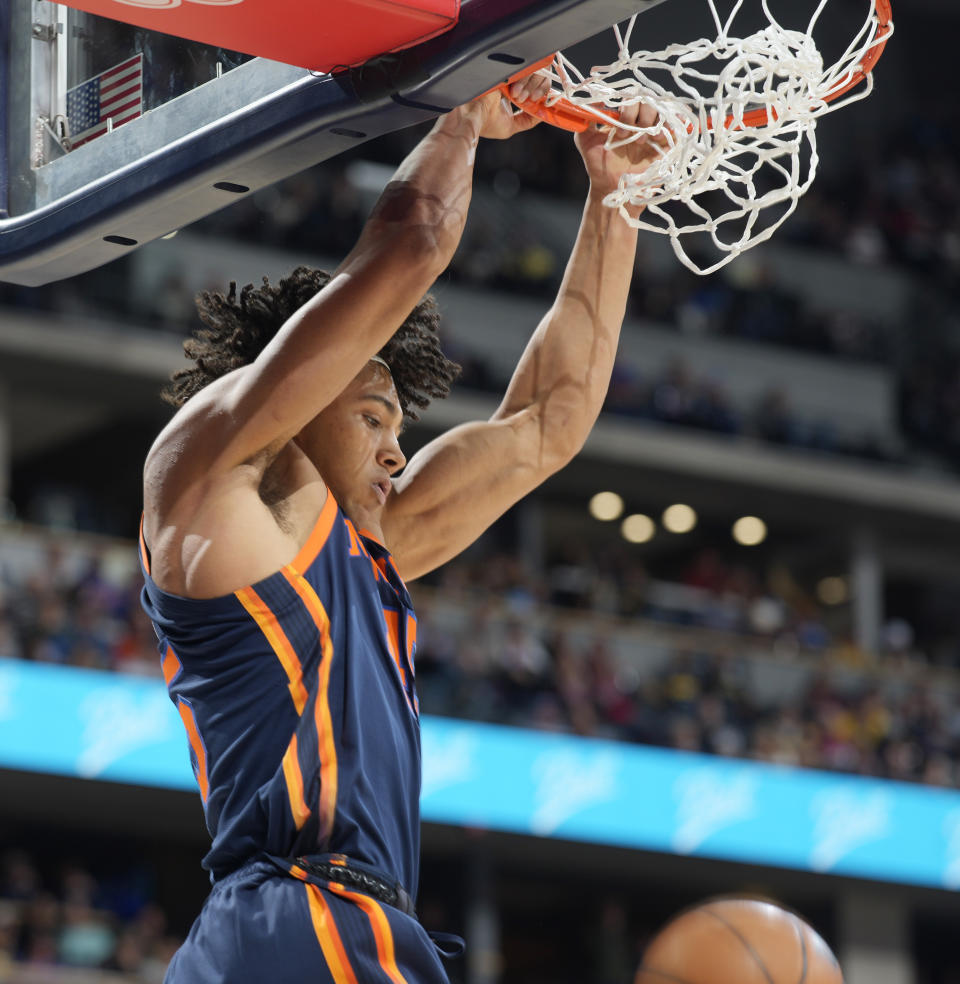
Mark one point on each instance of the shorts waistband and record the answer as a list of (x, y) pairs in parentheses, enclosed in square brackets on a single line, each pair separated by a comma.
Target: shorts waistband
[(341, 870)]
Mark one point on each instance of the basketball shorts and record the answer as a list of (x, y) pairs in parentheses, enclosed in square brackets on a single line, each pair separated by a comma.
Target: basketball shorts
[(260, 925)]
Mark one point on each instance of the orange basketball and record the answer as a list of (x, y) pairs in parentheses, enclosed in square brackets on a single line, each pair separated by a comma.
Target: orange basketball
[(738, 941)]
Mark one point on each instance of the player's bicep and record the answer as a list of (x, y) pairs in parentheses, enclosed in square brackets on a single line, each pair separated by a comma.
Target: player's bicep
[(458, 485)]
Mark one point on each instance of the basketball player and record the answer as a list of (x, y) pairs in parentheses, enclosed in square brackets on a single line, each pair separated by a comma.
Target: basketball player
[(271, 499)]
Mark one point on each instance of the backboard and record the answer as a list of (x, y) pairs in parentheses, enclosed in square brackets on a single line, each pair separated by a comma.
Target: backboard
[(211, 124)]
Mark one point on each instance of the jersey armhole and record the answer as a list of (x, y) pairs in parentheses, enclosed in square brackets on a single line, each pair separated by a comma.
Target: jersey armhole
[(318, 536)]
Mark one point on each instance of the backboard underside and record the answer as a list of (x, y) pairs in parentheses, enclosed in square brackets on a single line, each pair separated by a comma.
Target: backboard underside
[(250, 125)]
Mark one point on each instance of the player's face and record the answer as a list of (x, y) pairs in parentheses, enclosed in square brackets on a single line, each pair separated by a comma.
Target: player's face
[(354, 445)]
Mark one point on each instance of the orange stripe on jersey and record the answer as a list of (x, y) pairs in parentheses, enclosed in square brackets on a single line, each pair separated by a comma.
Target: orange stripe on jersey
[(329, 938), (365, 532), (411, 637), (392, 618), (356, 544), (381, 931), (171, 665), (196, 743), (357, 549), (323, 719), (260, 612), (144, 553), (318, 537), (294, 778), (298, 872)]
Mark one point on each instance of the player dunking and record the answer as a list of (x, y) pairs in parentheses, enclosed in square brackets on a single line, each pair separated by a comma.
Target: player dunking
[(286, 632)]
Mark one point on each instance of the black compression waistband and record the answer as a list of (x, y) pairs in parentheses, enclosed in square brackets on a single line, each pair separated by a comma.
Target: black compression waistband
[(360, 880)]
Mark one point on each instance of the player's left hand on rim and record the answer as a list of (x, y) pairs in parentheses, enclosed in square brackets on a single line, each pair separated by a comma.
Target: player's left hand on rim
[(502, 119)]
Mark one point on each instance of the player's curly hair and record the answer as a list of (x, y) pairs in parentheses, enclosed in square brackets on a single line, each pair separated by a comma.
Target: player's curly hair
[(236, 331)]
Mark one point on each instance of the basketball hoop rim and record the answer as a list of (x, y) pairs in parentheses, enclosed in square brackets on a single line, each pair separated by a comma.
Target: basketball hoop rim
[(568, 116)]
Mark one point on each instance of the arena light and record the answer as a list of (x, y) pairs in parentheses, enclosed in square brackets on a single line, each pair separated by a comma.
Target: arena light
[(638, 528), (749, 531), (679, 518), (833, 590), (606, 506)]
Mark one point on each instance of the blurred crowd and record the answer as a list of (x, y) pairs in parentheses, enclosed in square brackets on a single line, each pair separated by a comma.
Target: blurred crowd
[(899, 206), (678, 396), (698, 700), (757, 671), (716, 658), (63, 608), (69, 920)]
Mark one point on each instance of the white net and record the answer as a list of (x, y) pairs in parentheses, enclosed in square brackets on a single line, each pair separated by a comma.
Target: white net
[(737, 125)]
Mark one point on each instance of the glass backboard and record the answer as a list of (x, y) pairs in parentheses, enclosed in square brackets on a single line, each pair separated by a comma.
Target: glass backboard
[(203, 126)]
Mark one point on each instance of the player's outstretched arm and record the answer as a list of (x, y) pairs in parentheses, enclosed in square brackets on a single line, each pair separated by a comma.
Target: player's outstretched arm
[(457, 485), (408, 240)]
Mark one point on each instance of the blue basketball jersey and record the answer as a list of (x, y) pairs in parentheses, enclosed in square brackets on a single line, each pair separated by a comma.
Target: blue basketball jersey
[(297, 696)]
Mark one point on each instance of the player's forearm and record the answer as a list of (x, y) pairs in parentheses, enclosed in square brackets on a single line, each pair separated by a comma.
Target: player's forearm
[(424, 206), (566, 367)]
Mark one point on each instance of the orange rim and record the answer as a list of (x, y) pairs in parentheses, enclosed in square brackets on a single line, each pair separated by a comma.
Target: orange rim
[(563, 114), (569, 116)]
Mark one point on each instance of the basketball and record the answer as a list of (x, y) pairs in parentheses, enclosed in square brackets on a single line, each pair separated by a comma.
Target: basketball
[(738, 941)]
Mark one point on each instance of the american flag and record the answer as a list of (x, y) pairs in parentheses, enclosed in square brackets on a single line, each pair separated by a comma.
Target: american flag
[(116, 94)]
